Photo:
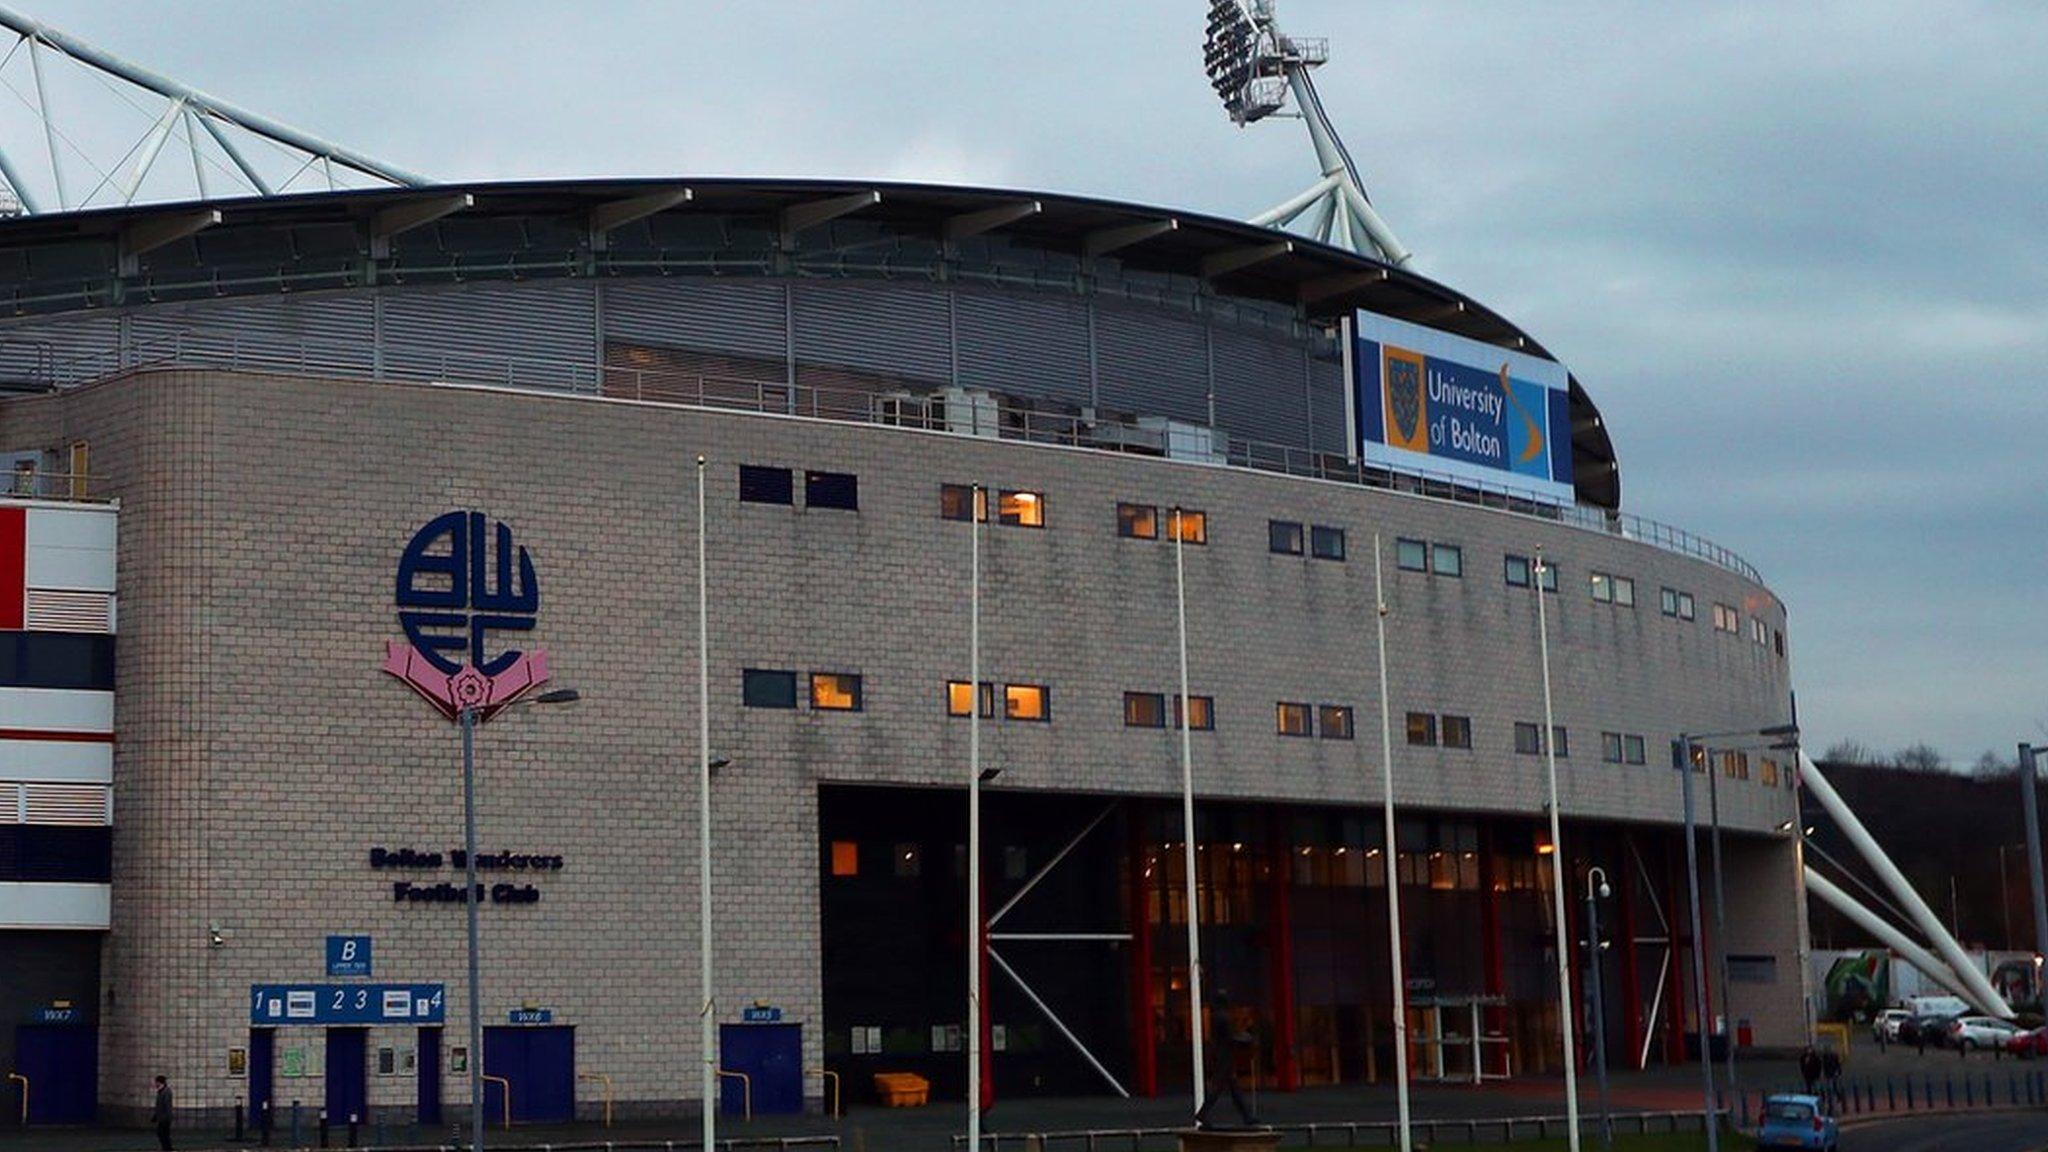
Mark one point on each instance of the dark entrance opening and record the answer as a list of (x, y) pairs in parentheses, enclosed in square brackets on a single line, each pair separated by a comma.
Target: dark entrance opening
[(262, 1065), (430, 1076), (771, 1056), (540, 1065), (347, 1075), (62, 1065)]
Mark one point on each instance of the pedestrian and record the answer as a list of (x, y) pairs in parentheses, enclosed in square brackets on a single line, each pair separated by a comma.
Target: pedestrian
[(160, 1114), (1809, 1068), (1226, 1041), (1831, 1071)]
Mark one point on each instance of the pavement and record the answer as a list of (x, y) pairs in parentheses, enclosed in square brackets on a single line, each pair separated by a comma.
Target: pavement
[(1875, 1076)]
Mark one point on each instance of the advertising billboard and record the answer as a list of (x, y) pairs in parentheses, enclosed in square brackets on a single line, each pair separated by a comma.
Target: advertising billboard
[(1428, 401)]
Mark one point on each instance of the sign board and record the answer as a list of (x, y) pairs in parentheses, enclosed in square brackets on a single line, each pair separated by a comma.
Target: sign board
[(317, 1004), (55, 1015), (348, 955), (760, 1014), (530, 1016), (1427, 401)]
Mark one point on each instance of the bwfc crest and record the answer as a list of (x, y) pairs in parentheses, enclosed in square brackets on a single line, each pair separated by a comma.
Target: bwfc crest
[(458, 587)]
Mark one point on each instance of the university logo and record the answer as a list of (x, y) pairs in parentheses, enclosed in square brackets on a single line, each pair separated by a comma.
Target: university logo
[(1407, 411), (464, 594)]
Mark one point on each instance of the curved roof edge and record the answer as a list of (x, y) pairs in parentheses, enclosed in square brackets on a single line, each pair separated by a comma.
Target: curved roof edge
[(1233, 257)]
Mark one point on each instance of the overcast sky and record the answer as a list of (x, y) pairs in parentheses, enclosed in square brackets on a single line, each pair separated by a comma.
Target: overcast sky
[(1797, 253)]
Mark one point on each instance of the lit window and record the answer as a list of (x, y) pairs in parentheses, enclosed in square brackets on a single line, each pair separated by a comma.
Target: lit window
[(1144, 710), (1725, 619), (1759, 631), (760, 485), (1457, 732), (1610, 747), (1027, 702), (1528, 739), (1283, 536), (1137, 521), (1334, 721), (1201, 713), (908, 860), (845, 858), (1447, 559), (764, 688), (956, 499), (958, 696), (1624, 591), (1516, 570), (832, 490), (1412, 555), (1767, 773), (1326, 543), (1632, 749), (1603, 587), (1292, 719), (835, 691), (1422, 728), (1191, 527), (1023, 509)]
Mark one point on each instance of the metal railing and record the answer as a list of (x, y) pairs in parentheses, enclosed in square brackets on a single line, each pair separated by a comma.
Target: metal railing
[(42, 484), (1343, 1133), (962, 413)]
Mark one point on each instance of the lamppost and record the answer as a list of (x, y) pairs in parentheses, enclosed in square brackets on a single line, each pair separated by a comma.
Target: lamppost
[(1596, 886), (1686, 740), (467, 719), (1563, 948)]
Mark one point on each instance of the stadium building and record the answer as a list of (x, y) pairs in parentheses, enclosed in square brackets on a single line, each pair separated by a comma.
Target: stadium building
[(369, 450)]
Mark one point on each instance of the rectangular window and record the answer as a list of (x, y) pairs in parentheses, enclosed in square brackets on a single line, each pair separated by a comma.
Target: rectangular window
[(1412, 555), (1667, 602), (1326, 543), (958, 697), (1292, 719), (1759, 631), (832, 490), (1603, 587), (1284, 537), (1725, 619), (1767, 773), (1564, 744), (1191, 526), (1137, 521), (1778, 639), (1201, 713), (1447, 560), (1027, 702), (1685, 606), (1023, 509), (1528, 739), (845, 858), (1610, 747), (759, 485), (1516, 570), (1422, 729), (835, 691), (955, 500), (1632, 750), (1144, 710), (1624, 591), (1457, 732), (1334, 721), (767, 688), (1546, 575)]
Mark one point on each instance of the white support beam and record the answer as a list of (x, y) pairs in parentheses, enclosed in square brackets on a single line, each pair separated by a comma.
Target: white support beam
[(967, 224), (148, 235), (152, 146), (1238, 259), (619, 213), (1058, 1024), (1324, 287), (410, 214), (799, 217), (1106, 240), (1888, 935)]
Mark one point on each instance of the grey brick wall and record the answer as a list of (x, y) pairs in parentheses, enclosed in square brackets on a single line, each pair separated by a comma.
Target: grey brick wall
[(262, 753)]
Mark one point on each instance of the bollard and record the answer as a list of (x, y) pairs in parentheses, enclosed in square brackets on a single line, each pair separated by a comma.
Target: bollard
[(353, 1121), (296, 1142), (323, 1127), (1891, 1095), (1949, 1083), (1909, 1094), (238, 1122), (2012, 1091), (1969, 1093), (263, 1131)]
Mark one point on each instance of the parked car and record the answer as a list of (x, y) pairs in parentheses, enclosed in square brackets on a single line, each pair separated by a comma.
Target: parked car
[(1794, 1121), (1924, 1029), (1885, 1025), (1970, 1033), (2029, 1044)]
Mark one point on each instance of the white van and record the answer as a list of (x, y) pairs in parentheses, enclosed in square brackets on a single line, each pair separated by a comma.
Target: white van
[(1937, 1006)]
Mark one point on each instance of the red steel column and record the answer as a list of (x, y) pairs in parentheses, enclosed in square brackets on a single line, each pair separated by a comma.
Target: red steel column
[(1144, 1049), (1631, 980), (1681, 956), (1493, 961), (1280, 947)]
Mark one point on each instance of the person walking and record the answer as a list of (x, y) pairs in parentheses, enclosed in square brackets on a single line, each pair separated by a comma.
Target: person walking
[(160, 1114), (1226, 1041), (1831, 1071), (1809, 1068)]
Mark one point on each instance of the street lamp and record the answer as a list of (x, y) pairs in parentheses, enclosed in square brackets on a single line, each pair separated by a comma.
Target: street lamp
[(467, 719), (1596, 885), (1686, 740)]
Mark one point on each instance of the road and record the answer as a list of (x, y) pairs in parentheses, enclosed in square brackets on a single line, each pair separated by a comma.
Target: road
[(2008, 1132)]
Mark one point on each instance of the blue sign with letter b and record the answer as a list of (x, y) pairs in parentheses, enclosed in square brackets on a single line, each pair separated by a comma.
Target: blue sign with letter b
[(348, 955)]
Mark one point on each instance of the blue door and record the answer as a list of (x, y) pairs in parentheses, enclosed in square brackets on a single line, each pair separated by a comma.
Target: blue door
[(540, 1064), (772, 1057), (262, 1061), (430, 1076), (62, 1063), (347, 1075)]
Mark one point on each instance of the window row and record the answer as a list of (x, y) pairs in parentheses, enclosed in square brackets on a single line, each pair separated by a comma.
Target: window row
[(906, 859), (1143, 522), (1428, 556), (1330, 721), (1529, 739), (1616, 590), (1020, 701), (1622, 748), (1286, 538), (1427, 729), (760, 484), (1149, 710), (1520, 572), (1018, 508), (776, 688)]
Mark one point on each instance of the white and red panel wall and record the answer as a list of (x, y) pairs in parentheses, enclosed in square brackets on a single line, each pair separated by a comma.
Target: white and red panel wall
[(57, 622)]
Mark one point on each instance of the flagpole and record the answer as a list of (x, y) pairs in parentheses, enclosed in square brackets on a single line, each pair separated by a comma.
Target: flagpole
[(1564, 963), (1187, 813), (706, 1025), (1387, 860), (974, 941)]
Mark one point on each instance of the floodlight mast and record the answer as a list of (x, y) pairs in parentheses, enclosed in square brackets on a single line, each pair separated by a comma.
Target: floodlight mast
[(1254, 67)]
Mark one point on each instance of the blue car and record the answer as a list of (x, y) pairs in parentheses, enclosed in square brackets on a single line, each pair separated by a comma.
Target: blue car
[(1794, 1121)]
